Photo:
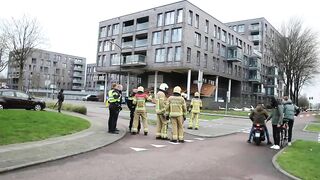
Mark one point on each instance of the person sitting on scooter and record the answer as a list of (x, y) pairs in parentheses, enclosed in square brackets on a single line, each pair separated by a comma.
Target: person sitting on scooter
[(258, 116)]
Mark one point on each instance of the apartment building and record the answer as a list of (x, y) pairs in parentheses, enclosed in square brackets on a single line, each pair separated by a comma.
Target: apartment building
[(94, 80), (178, 44), (262, 34), (46, 70)]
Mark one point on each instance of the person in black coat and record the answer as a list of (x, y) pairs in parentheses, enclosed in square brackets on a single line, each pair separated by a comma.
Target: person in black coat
[(132, 108)]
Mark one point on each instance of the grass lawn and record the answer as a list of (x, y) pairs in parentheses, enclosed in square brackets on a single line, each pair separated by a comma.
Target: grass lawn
[(235, 113), (313, 127), (318, 118), (302, 159), (17, 126)]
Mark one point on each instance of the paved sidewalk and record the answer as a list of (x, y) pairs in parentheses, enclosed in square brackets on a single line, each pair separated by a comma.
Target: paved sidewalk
[(25, 154)]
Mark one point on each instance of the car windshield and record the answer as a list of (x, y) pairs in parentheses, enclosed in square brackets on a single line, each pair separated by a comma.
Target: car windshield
[(21, 95)]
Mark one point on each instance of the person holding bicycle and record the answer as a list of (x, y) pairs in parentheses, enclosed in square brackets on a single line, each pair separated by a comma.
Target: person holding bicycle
[(277, 118), (289, 111)]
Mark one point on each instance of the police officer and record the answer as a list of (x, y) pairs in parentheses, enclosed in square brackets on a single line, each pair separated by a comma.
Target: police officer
[(176, 109), (196, 105), (132, 108), (162, 122), (114, 99), (140, 101)]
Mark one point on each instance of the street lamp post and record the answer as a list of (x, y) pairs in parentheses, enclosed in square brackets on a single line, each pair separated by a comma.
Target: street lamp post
[(112, 42)]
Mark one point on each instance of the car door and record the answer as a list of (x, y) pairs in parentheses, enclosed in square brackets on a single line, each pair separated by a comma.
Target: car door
[(10, 100), (23, 100)]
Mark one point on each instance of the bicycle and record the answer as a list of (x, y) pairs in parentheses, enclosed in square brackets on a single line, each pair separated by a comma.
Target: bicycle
[(284, 135)]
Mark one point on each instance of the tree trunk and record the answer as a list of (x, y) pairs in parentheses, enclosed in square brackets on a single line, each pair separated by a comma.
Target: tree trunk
[(20, 80)]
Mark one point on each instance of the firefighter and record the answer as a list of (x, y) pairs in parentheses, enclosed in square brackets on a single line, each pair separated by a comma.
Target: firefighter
[(162, 122), (132, 108), (196, 105), (140, 101), (176, 110), (114, 99)]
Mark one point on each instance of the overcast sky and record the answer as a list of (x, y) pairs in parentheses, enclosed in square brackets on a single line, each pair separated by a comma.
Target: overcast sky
[(71, 26)]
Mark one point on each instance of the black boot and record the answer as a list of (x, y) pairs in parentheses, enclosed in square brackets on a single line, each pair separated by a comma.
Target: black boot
[(181, 141), (145, 133)]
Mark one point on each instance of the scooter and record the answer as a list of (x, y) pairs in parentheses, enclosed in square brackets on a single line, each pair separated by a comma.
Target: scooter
[(258, 134)]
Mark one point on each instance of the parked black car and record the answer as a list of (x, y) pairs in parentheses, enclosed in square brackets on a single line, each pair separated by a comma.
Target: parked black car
[(90, 97), (14, 99)]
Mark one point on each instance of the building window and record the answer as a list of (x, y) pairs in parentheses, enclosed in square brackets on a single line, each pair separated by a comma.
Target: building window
[(100, 46), (178, 54), (166, 36), (106, 46), (234, 28), (180, 16), (188, 54), (109, 30), (115, 29), (223, 51), (115, 60), (197, 21), (207, 27), (156, 37), (219, 33), (169, 18), (218, 48), (230, 68), (229, 38), (160, 55), (113, 45), (205, 60), (197, 38), (34, 61), (160, 20), (104, 60), (224, 36), (214, 63), (215, 31), (170, 54), (241, 28), (198, 58), (212, 45), (103, 32), (176, 35), (218, 64), (190, 17), (206, 43)]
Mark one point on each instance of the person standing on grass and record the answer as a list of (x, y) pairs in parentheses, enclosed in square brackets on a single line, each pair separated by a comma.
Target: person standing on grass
[(60, 100), (289, 111), (277, 119)]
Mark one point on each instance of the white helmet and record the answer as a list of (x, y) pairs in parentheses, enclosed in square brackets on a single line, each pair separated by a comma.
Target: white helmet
[(140, 89), (164, 87), (177, 89)]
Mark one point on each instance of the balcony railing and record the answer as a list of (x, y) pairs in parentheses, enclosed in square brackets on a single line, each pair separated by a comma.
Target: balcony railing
[(255, 38), (141, 43), (254, 27), (128, 29), (142, 26), (78, 81), (77, 87), (255, 78), (128, 44), (133, 60), (77, 74), (234, 54), (76, 68)]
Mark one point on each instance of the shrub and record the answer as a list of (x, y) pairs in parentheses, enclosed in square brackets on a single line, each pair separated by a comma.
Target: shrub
[(69, 107)]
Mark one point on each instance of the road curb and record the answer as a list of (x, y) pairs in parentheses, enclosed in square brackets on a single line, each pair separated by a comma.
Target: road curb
[(277, 166), (92, 148), (210, 136)]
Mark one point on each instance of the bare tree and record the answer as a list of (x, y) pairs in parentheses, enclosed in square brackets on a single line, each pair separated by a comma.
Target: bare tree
[(3, 50), (22, 37), (296, 52)]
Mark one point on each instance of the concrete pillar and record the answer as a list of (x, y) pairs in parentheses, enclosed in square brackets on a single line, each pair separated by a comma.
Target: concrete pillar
[(229, 90), (188, 84), (217, 87), (200, 79), (155, 82), (128, 84), (105, 87)]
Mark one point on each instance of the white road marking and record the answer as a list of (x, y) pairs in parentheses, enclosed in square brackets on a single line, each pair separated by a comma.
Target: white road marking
[(173, 143), (186, 140), (138, 149), (158, 146), (200, 139)]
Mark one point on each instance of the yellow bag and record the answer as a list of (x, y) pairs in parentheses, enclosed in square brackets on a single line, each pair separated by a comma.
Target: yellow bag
[(107, 103)]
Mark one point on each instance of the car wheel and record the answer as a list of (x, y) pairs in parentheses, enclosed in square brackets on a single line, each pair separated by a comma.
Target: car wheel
[(1, 106), (37, 107)]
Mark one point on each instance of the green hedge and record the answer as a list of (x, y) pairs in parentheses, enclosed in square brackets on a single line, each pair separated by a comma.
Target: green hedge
[(69, 107)]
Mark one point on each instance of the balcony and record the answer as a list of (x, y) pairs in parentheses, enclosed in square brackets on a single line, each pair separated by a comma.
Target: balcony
[(255, 38), (254, 63), (77, 68), (76, 74), (254, 76), (78, 81), (128, 44), (141, 43), (128, 29), (133, 60), (254, 27), (142, 26), (234, 54), (77, 87), (78, 62)]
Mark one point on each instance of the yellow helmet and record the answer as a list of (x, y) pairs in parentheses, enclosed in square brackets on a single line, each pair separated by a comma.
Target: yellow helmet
[(177, 89), (197, 94), (140, 89)]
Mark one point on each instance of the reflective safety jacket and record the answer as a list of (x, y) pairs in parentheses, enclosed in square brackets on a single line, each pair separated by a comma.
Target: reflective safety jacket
[(114, 96), (140, 101), (196, 104), (176, 106), (161, 103)]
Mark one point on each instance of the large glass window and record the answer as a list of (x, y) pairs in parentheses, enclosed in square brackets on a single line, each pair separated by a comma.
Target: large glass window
[(160, 55), (169, 18), (241, 28), (156, 37), (218, 48), (219, 33), (224, 36), (103, 32), (115, 60), (197, 21), (100, 46), (180, 16), (212, 45), (170, 54), (190, 17), (178, 54), (205, 60), (160, 20), (166, 36), (115, 29), (223, 51), (206, 43), (198, 58), (176, 35), (197, 38), (109, 30), (106, 46), (188, 54), (215, 31), (207, 27)]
